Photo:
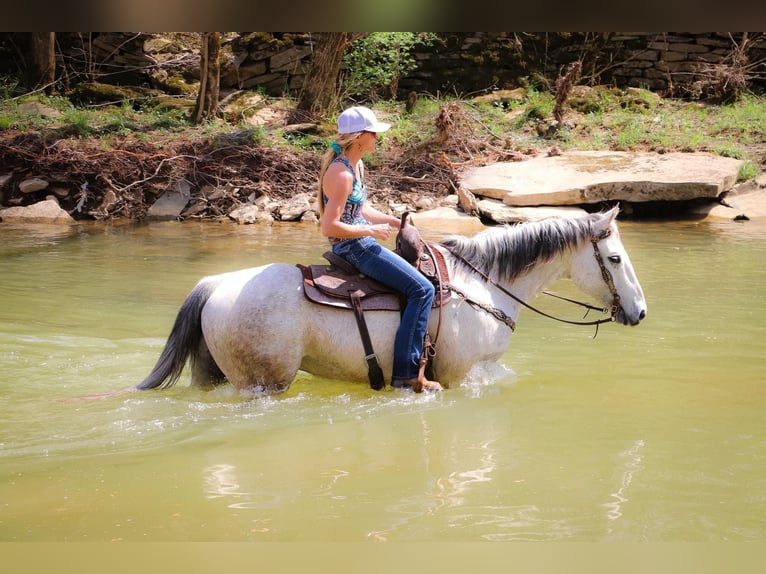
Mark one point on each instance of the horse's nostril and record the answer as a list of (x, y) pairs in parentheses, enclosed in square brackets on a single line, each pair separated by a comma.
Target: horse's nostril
[(642, 314)]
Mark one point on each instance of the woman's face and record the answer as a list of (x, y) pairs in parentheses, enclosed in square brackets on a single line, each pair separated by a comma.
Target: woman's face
[(367, 141)]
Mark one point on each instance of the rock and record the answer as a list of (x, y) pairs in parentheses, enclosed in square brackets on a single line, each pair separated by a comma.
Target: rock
[(747, 187), (251, 214), (302, 128), (39, 109), (424, 203), (32, 184), (442, 219), (502, 97), (47, 211), (501, 213), (582, 177), (168, 206), (467, 201), (59, 191), (745, 201), (240, 104), (452, 201), (751, 205), (309, 217), (294, 208)]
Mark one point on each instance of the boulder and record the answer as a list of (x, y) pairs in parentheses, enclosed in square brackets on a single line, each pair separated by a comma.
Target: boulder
[(293, 208), (32, 184), (446, 219), (168, 206), (584, 177), (746, 201), (498, 212), (47, 211), (251, 213)]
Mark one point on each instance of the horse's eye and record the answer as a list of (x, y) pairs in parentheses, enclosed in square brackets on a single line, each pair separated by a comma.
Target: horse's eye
[(615, 259)]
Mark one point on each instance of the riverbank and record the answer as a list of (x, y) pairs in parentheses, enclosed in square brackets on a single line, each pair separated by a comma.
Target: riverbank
[(128, 164)]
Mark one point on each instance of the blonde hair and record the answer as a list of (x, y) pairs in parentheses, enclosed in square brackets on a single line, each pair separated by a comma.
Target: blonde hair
[(343, 141)]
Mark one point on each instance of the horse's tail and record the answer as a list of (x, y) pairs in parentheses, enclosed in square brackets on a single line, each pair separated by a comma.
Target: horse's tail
[(184, 338)]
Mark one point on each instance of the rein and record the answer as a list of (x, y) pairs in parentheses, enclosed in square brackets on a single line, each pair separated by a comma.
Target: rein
[(504, 318)]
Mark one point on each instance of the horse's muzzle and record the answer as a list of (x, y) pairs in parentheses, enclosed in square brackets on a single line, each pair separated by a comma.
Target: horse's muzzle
[(630, 320)]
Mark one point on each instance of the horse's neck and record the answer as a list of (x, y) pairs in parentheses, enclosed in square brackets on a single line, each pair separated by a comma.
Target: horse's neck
[(525, 287), (539, 277)]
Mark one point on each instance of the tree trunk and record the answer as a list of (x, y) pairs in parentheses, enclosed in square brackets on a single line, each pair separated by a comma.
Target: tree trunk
[(319, 94), (43, 73), (210, 74)]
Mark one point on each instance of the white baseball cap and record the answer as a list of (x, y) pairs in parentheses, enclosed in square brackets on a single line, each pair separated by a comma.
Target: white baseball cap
[(360, 119)]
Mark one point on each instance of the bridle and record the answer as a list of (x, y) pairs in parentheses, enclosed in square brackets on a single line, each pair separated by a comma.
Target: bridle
[(500, 315), (606, 276)]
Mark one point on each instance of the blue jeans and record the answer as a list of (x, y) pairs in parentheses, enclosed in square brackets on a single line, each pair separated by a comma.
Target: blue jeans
[(382, 264)]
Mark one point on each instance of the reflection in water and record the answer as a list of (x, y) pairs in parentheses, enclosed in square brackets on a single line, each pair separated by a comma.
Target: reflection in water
[(631, 466), (519, 523), (442, 492), (328, 489), (220, 482)]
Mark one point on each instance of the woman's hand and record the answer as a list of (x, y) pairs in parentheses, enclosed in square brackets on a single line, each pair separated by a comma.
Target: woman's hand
[(380, 231)]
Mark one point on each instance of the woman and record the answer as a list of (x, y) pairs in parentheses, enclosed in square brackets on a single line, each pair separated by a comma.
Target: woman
[(354, 227)]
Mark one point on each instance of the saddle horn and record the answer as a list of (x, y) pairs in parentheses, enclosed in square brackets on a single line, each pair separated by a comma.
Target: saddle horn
[(409, 244)]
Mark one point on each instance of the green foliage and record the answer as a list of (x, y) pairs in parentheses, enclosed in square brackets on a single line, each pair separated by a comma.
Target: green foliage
[(539, 104), (9, 87), (61, 118), (746, 118), (375, 62), (78, 123), (410, 128), (304, 142), (748, 170)]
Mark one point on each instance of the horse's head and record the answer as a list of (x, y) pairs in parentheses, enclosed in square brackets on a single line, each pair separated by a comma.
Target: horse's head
[(602, 269)]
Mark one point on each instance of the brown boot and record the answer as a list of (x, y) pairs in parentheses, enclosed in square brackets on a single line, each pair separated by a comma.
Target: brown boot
[(426, 385), (421, 383), (418, 384)]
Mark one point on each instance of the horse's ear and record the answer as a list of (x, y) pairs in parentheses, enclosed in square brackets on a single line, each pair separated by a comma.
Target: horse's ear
[(605, 220)]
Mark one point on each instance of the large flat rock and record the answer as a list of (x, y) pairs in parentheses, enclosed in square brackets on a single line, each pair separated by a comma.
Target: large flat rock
[(498, 212), (446, 220), (581, 177)]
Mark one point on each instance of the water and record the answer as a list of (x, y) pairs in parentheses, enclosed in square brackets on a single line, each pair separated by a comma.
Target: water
[(653, 433)]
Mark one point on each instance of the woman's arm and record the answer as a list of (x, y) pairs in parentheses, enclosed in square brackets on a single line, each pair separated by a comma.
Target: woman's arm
[(373, 215), (337, 185)]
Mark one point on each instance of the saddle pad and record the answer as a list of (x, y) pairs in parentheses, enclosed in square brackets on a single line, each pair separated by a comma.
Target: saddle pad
[(338, 283), (327, 285)]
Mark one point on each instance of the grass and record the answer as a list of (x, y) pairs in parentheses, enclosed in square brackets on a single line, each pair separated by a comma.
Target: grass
[(597, 118)]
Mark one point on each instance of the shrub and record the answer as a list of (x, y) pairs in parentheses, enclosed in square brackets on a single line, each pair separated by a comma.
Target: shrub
[(375, 62)]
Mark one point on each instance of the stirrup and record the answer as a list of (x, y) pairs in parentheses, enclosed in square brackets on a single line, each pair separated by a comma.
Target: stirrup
[(416, 384)]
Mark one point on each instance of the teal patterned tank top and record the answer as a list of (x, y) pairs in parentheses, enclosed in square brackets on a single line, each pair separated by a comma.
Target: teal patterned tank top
[(352, 211)]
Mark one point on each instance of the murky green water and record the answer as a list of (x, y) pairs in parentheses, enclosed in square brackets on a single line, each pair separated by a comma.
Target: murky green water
[(654, 433)]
